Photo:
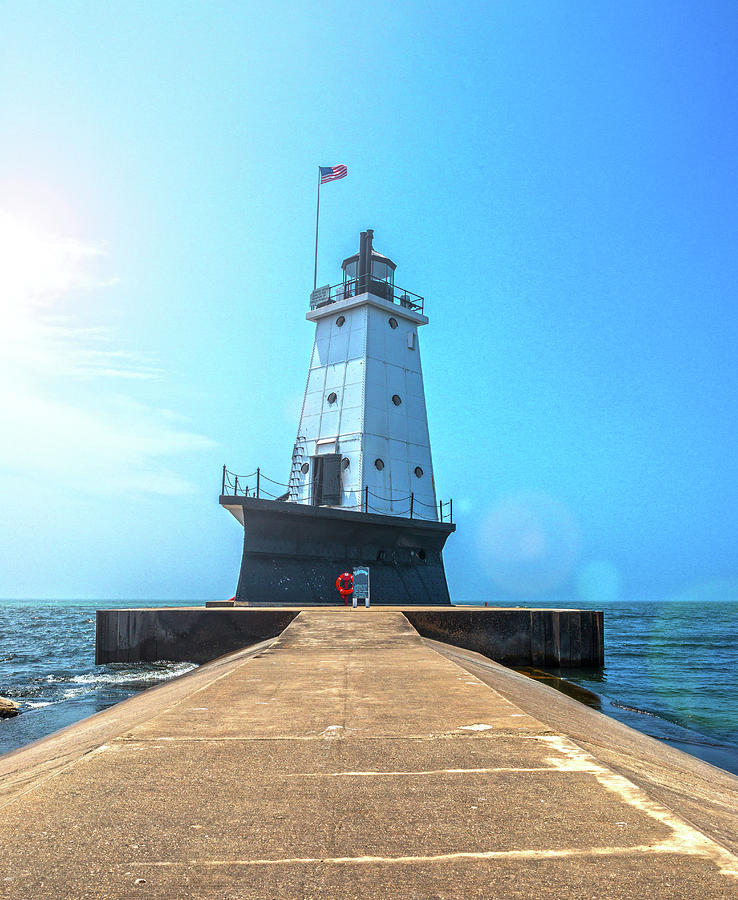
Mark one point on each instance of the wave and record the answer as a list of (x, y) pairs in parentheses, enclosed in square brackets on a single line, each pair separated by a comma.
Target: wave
[(123, 674), (636, 709), (107, 684), (676, 730), (158, 672)]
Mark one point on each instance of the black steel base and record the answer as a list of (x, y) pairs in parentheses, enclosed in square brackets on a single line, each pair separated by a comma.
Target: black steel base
[(293, 553)]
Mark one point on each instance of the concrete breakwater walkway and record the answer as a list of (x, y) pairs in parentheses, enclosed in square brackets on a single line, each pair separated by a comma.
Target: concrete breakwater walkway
[(350, 758)]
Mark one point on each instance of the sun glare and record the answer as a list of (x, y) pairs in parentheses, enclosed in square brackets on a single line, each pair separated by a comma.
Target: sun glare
[(56, 365), (38, 267)]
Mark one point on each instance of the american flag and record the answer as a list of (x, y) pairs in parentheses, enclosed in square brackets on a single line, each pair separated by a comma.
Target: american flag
[(331, 173)]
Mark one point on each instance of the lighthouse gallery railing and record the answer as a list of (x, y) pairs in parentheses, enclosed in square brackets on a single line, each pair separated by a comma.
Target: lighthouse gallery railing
[(261, 487), (366, 284)]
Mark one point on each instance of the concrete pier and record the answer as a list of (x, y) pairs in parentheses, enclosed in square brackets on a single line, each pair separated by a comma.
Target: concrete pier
[(350, 758), (514, 637)]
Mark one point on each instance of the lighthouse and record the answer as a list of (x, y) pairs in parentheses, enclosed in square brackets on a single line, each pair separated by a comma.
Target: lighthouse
[(360, 489)]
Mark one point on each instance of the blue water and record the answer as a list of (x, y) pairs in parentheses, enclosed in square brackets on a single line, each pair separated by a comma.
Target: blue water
[(47, 665), (671, 670)]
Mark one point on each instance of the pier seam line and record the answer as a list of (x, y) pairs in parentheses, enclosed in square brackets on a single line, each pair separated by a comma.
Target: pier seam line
[(692, 840), (318, 736), (378, 774), (661, 847)]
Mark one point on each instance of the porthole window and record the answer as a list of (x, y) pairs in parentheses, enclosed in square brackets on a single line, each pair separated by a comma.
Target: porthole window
[(393, 322), (340, 320), (305, 468), (396, 399), (378, 464), (421, 554), (332, 397), (345, 462), (418, 472)]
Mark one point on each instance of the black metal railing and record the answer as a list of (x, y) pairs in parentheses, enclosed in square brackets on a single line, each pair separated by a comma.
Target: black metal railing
[(254, 485), (260, 486), (366, 284)]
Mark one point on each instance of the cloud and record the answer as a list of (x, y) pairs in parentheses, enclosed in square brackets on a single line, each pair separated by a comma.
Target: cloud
[(65, 413)]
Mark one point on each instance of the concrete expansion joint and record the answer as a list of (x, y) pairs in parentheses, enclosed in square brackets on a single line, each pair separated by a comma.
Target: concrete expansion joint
[(660, 848), (684, 839), (420, 773)]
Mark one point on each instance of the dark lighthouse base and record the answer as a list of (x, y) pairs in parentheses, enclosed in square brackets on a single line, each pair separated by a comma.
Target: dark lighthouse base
[(293, 553)]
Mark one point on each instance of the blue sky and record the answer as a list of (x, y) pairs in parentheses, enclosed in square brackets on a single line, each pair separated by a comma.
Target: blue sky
[(557, 179)]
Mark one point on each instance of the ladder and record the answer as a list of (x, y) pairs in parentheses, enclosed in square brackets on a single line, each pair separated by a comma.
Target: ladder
[(298, 458)]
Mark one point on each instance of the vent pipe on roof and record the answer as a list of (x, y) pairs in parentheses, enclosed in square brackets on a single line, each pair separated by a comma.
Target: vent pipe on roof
[(365, 257)]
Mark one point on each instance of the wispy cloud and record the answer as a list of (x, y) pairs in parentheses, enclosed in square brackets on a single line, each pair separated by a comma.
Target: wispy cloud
[(64, 406)]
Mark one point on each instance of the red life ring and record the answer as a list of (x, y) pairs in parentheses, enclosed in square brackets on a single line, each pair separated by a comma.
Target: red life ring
[(345, 584)]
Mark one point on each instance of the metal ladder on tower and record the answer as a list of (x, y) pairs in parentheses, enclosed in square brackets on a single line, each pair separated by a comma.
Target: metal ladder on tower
[(298, 458)]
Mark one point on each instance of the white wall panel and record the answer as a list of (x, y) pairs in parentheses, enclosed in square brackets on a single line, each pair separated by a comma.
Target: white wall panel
[(321, 351), (357, 342), (338, 347), (352, 394), (355, 370)]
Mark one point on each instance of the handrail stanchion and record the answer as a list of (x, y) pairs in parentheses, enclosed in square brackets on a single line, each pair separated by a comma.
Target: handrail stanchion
[(222, 490), (451, 510), (440, 510), (235, 487), (412, 499), (366, 498), (258, 478)]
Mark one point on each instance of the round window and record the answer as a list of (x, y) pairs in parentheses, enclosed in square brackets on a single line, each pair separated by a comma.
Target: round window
[(418, 472), (379, 464), (396, 399), (340, 320), (304, 468), (393, 322), (345, 462), (421, 553), (332, 397)]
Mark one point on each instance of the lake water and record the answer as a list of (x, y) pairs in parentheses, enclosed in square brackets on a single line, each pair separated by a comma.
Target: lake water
[(47, 665), (671, 670)]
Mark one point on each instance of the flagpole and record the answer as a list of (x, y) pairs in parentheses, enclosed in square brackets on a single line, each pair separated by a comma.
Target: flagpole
[(317, 218)]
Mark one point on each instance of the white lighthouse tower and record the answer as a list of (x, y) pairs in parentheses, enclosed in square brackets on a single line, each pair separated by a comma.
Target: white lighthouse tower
[(363, 441)]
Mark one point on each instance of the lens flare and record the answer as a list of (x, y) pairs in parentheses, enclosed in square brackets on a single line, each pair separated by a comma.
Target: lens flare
[(529, 543)]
